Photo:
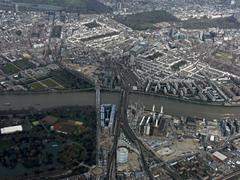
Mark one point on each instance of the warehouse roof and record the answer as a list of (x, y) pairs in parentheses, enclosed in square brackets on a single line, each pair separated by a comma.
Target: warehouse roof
[(11, 129), (219, 156)]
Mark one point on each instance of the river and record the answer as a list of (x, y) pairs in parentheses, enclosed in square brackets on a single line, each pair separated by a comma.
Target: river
[(171, 106)]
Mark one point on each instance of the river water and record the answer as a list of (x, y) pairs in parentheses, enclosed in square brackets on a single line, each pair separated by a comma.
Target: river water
[(171, 106)]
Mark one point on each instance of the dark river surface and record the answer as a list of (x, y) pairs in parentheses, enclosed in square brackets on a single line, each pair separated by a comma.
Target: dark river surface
[(171, 106)]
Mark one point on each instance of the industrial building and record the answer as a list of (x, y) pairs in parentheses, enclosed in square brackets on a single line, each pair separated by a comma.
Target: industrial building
[(153, 123), (11, 129), (219, 156)]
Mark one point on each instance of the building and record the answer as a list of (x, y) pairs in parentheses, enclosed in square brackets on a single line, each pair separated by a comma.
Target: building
[(122, 155), (108, 113), (11, 129), (219, 156)]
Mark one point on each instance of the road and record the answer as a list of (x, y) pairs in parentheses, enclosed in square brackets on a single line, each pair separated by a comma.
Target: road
[(98, 132), (111, 164), (132, 137), (232, 176), (120, 120)]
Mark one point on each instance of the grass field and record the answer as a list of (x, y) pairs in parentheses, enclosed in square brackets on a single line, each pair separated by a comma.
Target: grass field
[(223, 56), (58, 80), (52, 83), (4, 144), (35, 123), (37, 86), (10, 69), (49, 83), (24, 64)]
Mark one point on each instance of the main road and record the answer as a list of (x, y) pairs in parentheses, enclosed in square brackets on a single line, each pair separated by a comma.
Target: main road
[(171, 106)]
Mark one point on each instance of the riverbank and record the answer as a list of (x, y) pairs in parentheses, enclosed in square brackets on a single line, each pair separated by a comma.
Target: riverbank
[(233, 104)]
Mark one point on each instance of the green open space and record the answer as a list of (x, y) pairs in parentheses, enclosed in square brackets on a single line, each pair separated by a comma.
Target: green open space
[(42, 150), (84, 6), (145, 20), (59, 79), (223, 55), (24, 64), (68, 80), (37, 86), (52, 83), (35, 123), (5, 144), (49, 83), (93, 24), (178, 65), (10, 69), (204, 23), (77, 3)]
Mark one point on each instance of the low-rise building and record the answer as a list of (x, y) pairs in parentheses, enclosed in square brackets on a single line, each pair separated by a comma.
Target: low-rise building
[(11, 129)]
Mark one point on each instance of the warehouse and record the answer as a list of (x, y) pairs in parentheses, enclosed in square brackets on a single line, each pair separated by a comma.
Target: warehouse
[(11, 129), (219, 156)]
